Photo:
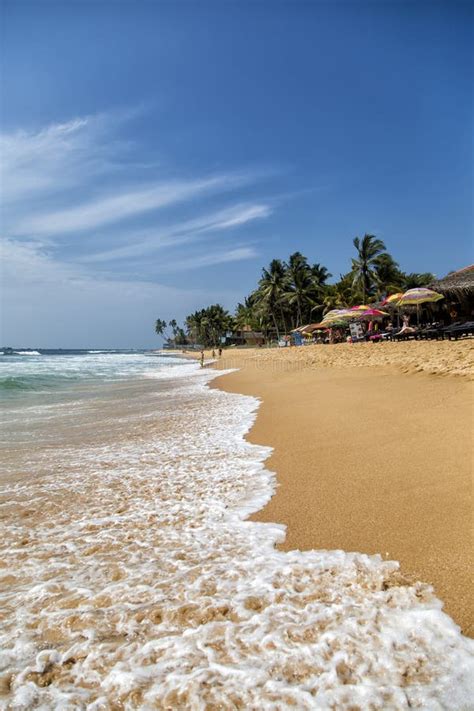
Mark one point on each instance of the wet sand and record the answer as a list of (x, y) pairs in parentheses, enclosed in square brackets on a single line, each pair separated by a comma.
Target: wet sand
[(371, 459)]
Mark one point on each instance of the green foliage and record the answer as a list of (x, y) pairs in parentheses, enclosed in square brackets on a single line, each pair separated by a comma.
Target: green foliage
[(179, 335), (292, 293), (160, 326), (412, 281), (370, 251), (207, 326)]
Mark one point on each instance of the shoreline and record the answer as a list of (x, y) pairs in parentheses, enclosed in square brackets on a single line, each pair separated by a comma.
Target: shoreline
[(373, 460)]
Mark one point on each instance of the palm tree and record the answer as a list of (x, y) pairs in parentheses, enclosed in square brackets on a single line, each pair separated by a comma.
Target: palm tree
[(207, 326), (320, 274), (340, 295), (388, 277), (414, 280), (271, 289), (300, 291), (246, 313), (369, 250), (160, 326)]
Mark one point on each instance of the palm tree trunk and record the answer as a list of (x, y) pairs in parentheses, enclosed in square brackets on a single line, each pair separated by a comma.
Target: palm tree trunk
[(298, 302), (276, 325), (283, 319)]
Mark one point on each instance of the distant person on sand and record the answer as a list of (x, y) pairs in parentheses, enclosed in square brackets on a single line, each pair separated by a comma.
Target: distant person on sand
[(220, 352), (202, 359), (213, 353)]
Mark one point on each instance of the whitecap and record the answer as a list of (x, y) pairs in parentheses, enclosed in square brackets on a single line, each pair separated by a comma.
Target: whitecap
[(136, 564)]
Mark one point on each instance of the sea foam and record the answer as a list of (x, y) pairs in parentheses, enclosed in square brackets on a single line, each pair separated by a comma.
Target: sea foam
[(132, 579)]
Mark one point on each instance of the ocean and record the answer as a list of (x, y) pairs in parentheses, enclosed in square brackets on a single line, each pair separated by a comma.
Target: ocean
[(130, 577)]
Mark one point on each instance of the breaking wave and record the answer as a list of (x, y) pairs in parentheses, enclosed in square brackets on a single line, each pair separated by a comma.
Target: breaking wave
[(132, 579)]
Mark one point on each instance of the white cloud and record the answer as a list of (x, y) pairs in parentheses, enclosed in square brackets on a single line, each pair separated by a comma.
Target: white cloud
[(51, 159), (122, 205), (146, 242), (66, 166), (212, 258), (74, 184)]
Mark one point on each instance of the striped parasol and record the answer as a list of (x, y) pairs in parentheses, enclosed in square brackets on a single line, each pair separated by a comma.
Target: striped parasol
[(392, 299), (334, 323), (338, 314), (420, 295), (372, 313)]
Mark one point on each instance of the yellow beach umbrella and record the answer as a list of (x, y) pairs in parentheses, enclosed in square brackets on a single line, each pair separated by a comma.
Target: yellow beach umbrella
[(393, 299), (414, 297)]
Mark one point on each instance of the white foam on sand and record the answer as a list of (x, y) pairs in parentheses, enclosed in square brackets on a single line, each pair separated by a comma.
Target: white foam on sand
[(132, 580)]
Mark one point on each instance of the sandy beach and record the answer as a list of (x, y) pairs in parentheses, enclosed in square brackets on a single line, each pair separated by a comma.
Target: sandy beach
[(372, 453)]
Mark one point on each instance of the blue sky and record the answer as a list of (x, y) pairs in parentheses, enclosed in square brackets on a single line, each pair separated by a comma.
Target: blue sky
[(155, 155)]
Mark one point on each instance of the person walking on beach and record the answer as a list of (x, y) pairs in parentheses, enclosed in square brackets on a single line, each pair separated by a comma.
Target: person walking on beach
[(220, 352), (202, 359), (213, 353)]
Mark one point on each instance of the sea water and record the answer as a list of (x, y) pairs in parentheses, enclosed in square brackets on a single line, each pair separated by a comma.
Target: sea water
[(130, 577)]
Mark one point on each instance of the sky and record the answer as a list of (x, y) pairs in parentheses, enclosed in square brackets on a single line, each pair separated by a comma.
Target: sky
[(156, 155)]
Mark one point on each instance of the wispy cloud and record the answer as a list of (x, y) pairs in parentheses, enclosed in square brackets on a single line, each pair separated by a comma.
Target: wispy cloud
[(120, 206), (213, 258), (83, 209), (54, 158), (53, 180), (149, 241)]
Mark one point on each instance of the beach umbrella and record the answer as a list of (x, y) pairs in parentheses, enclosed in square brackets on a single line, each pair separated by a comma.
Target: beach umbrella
[(339, 314), (417, 296), (334, 313), (372, 313), (333, 324), (392, 299)]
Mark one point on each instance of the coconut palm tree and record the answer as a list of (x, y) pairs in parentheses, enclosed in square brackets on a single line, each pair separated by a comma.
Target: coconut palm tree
[(414, 280), (271, 290), (246, 314), (207, 326), (160, 326), (300, 291), (320, 274), (369, 250), (340, 295), (388, 277)]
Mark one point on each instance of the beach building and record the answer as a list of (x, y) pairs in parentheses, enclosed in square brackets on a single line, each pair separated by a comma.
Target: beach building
[(458, 289)]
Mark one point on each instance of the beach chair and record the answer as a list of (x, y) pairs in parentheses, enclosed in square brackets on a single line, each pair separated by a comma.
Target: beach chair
[(406, 335), (458, 330), (433, 331)]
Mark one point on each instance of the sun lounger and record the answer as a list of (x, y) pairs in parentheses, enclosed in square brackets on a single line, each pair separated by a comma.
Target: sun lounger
[(432, 332), (458, 330), (405, 335)]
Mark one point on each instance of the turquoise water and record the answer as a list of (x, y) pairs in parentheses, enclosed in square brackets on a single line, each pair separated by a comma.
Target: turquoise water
[(50, 396), (50, 371)]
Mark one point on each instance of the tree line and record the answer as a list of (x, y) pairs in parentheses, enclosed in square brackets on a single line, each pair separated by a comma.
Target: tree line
[(292, 293)]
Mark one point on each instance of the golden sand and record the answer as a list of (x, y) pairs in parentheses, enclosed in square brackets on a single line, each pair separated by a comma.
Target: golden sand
[(369, 458)]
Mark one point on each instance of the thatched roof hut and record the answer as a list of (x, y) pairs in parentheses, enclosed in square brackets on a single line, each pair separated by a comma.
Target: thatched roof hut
[(458, 290), (458, 284)]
